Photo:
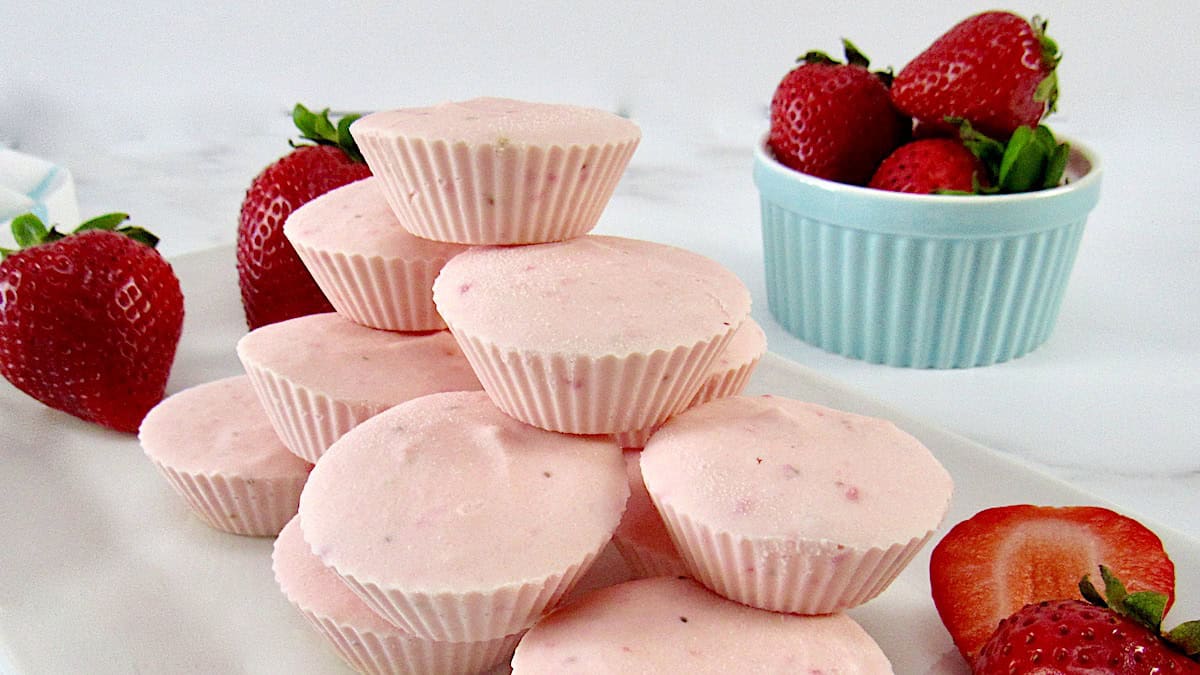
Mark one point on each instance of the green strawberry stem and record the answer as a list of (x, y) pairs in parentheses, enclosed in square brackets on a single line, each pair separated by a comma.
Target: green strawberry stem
[(1031, 160), (854, 57), (28, 230), (1144, 607), (318, 128), (1047, 89)]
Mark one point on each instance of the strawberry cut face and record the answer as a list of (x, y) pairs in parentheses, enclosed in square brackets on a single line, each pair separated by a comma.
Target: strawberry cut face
[(992, 564)]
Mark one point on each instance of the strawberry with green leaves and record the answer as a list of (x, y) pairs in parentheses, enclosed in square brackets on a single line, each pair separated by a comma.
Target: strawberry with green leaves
[(274, 283), (1001, 559), (835, 120), (89, 321), (973, 163), (995, 69), (1116, 634)]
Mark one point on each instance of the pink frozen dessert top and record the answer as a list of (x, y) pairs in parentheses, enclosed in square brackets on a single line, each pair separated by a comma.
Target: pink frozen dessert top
[(501, 122), (641, 522), (356, 219), (316, 589), (447, 493), (773, 467), (591, 295), (349, 362), (671, 625), (218, 427)]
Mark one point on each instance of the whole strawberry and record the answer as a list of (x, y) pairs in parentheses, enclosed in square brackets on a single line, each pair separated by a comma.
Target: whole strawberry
[(995, 69), (274, 283), (89, 321), (835, 120), (930, 166), (1118, 636)]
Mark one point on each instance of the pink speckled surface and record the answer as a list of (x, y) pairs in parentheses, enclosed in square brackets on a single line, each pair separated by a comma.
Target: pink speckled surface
[(356, 219), (218, 427), (592, 295), (668, 625), (502, 121), (775, 467), (348, 362)]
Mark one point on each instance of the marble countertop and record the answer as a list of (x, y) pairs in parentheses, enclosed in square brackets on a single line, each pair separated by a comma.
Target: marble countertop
[(172, 131)]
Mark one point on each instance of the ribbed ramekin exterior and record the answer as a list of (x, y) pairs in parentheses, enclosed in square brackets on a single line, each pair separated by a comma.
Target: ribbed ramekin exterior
[(470, 616), (307, 421), (924, 302), (722, 385), (797, 577), (396, 654), (255, 507), (491, 194), (591, 395), (374, 291)]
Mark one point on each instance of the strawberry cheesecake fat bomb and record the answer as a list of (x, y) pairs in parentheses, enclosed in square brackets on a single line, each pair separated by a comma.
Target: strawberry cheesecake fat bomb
[(320, 375), (497, 170), (372, 270), (360, 636), (214, 445), (791, 506), (668, 625), (468, 524), (595, 335)]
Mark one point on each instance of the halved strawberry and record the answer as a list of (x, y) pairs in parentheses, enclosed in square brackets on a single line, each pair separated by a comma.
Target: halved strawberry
[(1001, 559)]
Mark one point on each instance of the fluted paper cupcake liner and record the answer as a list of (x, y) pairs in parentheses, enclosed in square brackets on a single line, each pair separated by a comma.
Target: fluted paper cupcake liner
[(256, 507), (470, 616), (307, 421), (915, 301), (374, 291), (491, 194), (591, 395), (797, 577), (728, 383), (396, 654), (645, 562)]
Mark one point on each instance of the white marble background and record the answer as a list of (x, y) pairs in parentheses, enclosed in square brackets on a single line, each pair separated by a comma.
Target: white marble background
[(166, 110)]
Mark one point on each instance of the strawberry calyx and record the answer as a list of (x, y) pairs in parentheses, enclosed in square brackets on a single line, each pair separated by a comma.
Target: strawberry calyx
[(318, 128), (28, 230), (1047, 89), (1145, 608), (1032, 159), (854, 57)]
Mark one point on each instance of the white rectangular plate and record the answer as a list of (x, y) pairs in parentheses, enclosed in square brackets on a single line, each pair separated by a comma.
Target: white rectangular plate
[(103, 569)]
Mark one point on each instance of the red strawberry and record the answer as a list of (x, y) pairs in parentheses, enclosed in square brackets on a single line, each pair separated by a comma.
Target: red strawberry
[(995, 69), (1003, 558), (834, 120), (275, 285), (89, 322), (1118, 636), (929, 166)]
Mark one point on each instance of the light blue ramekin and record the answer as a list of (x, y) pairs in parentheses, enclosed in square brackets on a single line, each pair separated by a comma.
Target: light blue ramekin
[(923, 281)]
